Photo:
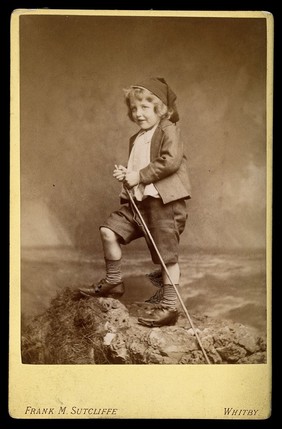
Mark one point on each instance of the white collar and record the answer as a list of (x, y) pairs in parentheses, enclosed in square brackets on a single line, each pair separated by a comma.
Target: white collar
[(148, 133)]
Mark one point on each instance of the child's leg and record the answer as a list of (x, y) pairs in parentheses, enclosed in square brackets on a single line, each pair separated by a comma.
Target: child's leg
[(157, 279), (169, 295), (165, 293), (112, 284), (174, 272), (112, 254), (119, 227), (166, 312), (111, 246)]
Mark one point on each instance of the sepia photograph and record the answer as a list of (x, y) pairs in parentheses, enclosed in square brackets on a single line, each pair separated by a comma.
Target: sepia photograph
[(142, 179)]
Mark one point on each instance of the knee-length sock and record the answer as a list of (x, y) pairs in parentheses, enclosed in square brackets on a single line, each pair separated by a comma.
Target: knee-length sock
[(113, 271)]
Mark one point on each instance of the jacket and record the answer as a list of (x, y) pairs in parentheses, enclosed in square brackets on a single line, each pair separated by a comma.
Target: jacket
[(168, 166)]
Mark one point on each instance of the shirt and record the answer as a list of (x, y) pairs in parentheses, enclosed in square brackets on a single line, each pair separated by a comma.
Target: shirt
[(138, 159)]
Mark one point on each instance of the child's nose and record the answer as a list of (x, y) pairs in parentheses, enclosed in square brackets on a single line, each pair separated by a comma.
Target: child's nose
[(139, 112)]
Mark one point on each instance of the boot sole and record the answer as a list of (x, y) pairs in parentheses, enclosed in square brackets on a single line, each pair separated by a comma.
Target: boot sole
[(155, 324), (105, 295)]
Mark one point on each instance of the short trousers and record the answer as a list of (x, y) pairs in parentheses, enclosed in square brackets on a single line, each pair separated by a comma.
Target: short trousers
[(166, 222)]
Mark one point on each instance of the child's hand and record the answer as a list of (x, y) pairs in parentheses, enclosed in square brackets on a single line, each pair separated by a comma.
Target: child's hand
[(131, 179), (119, 172)]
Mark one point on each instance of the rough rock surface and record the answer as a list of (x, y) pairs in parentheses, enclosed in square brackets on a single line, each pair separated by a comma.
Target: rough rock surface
[(84, 330)]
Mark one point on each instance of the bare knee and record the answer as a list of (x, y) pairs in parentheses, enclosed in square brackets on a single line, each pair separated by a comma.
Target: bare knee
[(108, 235)]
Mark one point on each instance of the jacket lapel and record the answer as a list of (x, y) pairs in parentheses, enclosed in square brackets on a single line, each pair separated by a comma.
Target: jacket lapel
[(131, 141), (155, 143)]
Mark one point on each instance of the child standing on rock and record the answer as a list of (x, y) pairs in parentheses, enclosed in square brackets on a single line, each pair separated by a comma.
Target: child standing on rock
[(157, 178)]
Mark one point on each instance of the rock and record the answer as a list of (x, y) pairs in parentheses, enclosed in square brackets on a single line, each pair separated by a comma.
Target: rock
[(231, 352), (223, 337), (167, 341), (261, 342), (195, 357), (247, 341), (108, 338), (117, 351), (208, 345), (259, 357), (85, 330)]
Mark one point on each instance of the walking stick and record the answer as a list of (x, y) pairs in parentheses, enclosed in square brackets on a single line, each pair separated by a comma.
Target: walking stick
[(167, 273)]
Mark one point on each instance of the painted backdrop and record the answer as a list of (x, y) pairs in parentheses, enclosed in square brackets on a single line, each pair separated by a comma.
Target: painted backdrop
[(74, 124)]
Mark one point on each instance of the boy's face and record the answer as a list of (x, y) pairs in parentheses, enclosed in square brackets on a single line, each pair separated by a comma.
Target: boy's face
[(143, 113)]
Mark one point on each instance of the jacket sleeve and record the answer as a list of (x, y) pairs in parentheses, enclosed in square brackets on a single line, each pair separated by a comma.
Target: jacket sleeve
[(169, 160)]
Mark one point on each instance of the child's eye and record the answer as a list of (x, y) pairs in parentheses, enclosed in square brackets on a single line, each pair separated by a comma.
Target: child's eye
[(133, 109)]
